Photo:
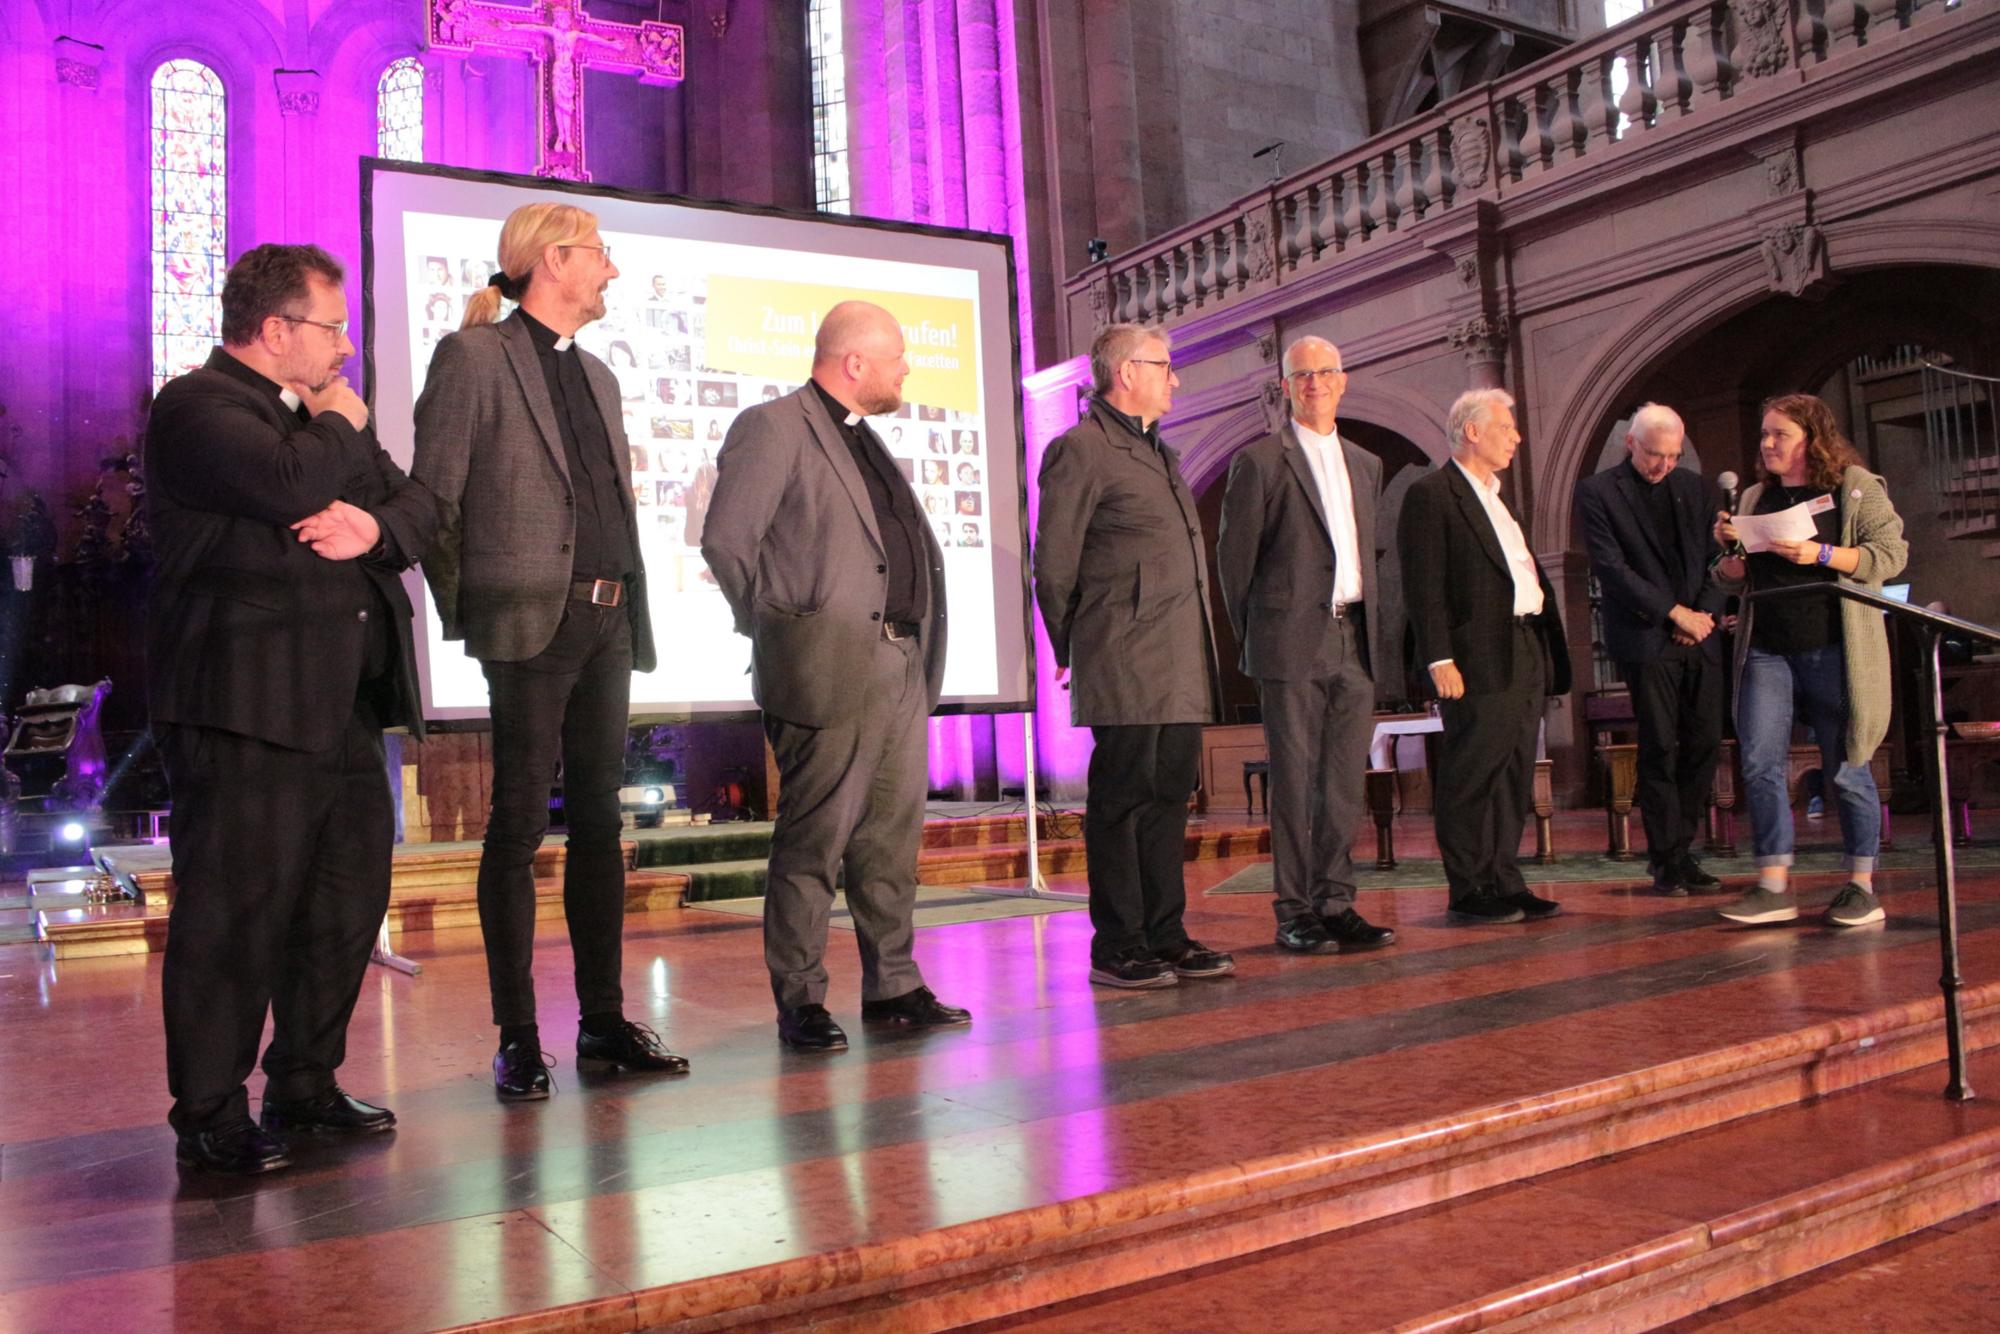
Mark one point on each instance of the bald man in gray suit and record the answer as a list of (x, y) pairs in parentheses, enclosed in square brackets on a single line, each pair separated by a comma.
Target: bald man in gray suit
[(831, 569)]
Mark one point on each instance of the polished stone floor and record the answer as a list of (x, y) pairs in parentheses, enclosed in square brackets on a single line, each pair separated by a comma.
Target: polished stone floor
[(475, 1211)]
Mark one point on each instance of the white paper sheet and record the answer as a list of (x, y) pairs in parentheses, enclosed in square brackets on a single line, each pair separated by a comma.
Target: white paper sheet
[(1758, 531)]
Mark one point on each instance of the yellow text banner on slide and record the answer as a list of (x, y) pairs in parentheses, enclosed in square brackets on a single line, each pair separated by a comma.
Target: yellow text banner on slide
[(757, 326)]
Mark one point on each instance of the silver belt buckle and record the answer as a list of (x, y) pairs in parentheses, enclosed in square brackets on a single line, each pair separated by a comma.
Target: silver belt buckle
[(1343, 610), (606, 593)]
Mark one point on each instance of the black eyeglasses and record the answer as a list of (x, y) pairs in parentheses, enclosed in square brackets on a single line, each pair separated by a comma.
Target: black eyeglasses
[(338, 328)]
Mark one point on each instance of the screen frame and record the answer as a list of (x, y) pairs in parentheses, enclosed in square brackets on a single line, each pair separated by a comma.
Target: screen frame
[(591, 189)]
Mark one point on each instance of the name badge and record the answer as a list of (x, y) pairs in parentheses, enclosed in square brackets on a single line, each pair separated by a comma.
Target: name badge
[(1820, 506)]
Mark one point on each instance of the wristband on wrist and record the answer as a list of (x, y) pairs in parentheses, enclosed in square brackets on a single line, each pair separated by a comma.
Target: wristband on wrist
[(1825, 554)]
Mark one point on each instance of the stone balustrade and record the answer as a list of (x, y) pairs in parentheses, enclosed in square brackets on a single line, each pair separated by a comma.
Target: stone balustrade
[(1674, 66)]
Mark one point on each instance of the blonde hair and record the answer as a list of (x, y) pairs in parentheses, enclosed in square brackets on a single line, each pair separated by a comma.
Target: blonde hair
[(529, 231)]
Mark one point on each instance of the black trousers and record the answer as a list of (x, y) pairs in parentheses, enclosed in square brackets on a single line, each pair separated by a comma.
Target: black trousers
[(281, 878), (1677, 699), (1317, 730), (1484, 785), (1135, 833), (568, 703)]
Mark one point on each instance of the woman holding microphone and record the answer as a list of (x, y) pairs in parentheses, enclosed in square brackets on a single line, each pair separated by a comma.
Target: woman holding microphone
[(1824, 659)]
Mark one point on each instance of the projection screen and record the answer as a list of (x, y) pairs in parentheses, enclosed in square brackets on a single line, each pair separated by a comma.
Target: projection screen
[(714, 310)]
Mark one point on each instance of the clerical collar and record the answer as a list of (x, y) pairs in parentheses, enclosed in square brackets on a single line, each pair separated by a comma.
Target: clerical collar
[(544, 336), (222, 359), (1131, 423), (836, 409), (290, 399), (1307, 433)]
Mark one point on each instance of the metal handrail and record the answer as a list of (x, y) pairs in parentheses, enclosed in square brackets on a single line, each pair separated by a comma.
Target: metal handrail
[(1957, 436)]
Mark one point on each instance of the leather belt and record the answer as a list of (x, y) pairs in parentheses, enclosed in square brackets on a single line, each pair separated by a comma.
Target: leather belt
[(1343, 610), (893, 630), (598, 592), (1526, 620)]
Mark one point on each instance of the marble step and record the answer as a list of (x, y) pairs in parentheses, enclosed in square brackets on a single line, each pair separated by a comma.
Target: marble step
[(1151, 1244), (1635, 1241)]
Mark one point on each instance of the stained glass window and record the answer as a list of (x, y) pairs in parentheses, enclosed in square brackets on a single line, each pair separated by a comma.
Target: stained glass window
[(189, 216), (399, 111), (829, 92)]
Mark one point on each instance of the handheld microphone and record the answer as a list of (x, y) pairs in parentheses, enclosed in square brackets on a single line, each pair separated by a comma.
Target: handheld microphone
[(1729, 482)]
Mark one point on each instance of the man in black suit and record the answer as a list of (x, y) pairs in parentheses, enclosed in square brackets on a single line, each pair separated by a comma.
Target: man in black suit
[(1296, 559), (1644, 524), (278, 643), (1487, 626)]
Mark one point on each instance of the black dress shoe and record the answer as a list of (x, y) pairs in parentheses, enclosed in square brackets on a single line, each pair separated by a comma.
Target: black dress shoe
[(1306, 935), (914, 1009), (1692, 878), (239, 1148), (521, 1073), (333, 1112), (1532, 905), (632, 1047), (810, 1028), (1355, 932), (1485, 909)]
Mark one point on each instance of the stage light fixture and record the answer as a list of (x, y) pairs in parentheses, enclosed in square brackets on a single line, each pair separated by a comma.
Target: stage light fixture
[(654, 796), (71, 831)]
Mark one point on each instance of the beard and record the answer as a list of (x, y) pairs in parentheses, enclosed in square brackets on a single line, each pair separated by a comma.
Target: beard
[(879, 399)]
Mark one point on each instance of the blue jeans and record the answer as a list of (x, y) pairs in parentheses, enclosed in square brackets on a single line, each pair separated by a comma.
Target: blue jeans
[(1814, 683)]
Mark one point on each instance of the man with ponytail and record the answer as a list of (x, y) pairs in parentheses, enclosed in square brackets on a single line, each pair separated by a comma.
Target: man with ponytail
[(521, 437)]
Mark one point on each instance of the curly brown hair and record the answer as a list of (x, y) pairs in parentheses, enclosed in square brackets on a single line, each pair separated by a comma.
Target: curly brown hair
[(1829, 453)]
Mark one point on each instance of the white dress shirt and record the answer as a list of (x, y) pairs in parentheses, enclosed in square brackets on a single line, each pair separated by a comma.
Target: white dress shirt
[(1520, 561), (1336, 496)]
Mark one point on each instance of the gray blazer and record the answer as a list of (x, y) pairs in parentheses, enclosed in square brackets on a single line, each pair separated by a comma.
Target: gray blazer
[(1274, 557), (791, 540), (1121, 578), (489, 449)]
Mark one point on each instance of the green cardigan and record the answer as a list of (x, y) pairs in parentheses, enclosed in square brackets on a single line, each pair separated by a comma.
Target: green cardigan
[(1870, 524)]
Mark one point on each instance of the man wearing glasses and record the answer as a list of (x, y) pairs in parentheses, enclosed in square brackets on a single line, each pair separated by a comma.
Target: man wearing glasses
[(278, 644), (1297, 562), (1120, 575), (520, 434)]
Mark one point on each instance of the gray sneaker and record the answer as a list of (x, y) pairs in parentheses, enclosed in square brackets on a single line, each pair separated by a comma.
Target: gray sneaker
[(1760, 905), (1854, 906)]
